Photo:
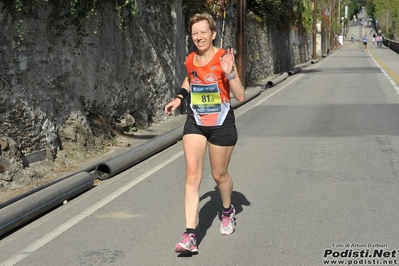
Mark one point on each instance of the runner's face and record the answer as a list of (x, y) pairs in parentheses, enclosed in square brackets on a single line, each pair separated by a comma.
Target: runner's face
[(202, 35)]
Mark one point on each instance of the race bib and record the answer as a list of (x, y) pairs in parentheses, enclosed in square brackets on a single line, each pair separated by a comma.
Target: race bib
[(205, 99)]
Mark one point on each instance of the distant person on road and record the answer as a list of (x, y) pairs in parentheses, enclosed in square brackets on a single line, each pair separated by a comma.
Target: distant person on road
[(352, 37), (210, 124), (365, 42)]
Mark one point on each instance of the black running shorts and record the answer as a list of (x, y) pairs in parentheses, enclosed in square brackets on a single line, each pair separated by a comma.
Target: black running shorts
[(224, 135)]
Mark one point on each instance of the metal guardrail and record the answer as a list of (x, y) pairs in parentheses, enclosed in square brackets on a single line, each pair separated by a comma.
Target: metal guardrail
[(391, 44)]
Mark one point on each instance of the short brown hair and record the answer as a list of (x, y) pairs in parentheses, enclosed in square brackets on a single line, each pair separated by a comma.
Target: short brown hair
[(202, 16)]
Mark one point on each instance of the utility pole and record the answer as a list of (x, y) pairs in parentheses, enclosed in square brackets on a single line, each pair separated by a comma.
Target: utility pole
[(314, 28), (241, 51), (339, 20), (332, 41)]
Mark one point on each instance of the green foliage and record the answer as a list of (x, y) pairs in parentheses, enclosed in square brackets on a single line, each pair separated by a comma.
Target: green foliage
[(85, 9), (211, 6), (305, 19), (354, 7), (298, 13), (286, 13), (191, 6), (19, 7), (278, 11), (130, 5), (79, 8), (370, 8), (387, 14), (72, 10)]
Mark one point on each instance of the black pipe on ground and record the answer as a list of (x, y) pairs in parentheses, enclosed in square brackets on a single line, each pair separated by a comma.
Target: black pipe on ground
[(24, 208), (295, 70), (124, 161), (20, 212), (277, 79), (250, 93), (30, 192)]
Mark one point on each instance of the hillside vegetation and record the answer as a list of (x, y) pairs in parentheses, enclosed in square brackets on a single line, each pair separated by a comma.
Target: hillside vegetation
[(386, 15)]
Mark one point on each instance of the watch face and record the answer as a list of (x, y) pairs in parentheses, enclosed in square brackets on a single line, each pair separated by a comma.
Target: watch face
[(231, 76)]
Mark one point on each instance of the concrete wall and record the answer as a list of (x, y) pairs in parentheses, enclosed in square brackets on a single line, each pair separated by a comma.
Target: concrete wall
[(74, 79)]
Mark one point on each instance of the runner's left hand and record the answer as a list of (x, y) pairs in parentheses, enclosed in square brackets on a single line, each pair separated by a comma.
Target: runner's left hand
[(227, 61)]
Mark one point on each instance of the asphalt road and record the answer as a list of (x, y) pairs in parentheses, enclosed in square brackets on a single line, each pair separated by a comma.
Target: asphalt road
[(315, 172)]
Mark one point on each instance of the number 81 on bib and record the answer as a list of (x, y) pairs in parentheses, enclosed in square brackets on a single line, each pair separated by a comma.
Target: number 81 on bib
[(205, 99)]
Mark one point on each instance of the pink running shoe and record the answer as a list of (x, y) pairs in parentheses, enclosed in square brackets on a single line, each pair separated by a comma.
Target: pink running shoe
[(187, 244), (228, 223)]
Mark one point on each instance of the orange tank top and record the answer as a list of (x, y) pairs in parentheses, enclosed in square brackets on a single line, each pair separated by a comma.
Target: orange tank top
[(209, 91)]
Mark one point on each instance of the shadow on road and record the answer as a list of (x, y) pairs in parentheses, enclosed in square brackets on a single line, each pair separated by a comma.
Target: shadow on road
[(211, 210)]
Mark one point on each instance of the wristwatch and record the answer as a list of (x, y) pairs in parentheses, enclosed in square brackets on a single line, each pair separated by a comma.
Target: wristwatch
[(231, 76)]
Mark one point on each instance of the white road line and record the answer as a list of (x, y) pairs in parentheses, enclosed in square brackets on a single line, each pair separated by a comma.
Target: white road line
[(20, 255), (268, 97), (386, 74)]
